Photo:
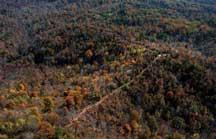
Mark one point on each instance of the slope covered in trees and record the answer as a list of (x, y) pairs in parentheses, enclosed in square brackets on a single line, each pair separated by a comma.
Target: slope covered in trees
[(108, 69)]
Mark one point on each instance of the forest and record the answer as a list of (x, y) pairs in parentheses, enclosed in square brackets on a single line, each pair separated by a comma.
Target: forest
[(108, 69)]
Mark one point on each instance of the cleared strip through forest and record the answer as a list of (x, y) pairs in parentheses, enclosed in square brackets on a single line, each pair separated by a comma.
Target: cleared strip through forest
[(117, 90)]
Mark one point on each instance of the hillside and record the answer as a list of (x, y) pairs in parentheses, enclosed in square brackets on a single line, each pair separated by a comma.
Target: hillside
[(108, 69)]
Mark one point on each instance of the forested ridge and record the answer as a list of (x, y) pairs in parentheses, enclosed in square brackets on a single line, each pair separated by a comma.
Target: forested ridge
[(142, 69)]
